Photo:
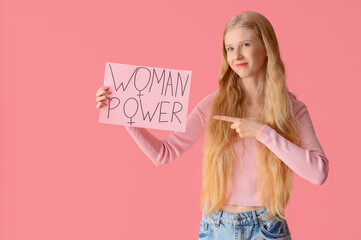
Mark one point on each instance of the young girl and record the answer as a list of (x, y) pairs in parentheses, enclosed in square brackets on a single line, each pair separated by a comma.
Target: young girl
[(257, 134)]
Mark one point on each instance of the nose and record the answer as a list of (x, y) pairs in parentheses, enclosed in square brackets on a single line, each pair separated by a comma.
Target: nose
[(238, 53)]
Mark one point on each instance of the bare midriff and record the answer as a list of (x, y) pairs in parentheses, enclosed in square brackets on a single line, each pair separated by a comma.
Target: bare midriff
[(237, 209)]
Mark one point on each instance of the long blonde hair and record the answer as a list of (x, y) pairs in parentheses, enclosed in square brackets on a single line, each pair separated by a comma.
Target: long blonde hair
[(274, 177)]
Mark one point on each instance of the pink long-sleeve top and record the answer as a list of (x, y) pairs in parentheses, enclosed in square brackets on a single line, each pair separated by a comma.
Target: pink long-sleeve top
[(308, 161)]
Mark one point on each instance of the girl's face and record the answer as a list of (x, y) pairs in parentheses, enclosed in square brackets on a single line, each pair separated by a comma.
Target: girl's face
[(243, 46)]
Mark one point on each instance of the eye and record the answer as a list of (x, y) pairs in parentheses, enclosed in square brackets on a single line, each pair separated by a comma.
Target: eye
[(245, 44), (229, 48)]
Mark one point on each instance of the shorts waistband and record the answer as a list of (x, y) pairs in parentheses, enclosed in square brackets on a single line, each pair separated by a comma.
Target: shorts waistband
[(242, 218)]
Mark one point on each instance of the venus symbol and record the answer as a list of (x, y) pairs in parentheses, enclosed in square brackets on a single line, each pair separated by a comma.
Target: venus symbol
[(141, 77), (130, 106)]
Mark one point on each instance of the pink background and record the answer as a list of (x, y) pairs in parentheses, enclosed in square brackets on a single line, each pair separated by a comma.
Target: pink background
[(66, 176)]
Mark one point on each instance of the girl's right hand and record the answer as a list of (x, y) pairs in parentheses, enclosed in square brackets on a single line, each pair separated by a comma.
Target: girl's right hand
[(101, 96)]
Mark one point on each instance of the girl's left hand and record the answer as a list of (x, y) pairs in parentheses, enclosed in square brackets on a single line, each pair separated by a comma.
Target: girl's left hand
[(244, 127)]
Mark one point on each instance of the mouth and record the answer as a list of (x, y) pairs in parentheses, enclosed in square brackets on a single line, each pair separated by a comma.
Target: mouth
[(241, 64)]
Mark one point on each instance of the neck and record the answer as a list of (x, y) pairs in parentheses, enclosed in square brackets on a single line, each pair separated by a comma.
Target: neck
[(251, 86)]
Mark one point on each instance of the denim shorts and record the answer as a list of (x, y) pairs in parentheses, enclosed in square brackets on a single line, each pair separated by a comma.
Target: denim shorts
[(223, 225)]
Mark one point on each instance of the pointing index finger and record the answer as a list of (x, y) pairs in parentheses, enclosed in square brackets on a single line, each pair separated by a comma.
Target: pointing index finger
[(226, 118)]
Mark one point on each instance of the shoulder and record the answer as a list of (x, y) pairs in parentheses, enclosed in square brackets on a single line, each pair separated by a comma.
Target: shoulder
[(208, 99), (204, 106), (298, 106)]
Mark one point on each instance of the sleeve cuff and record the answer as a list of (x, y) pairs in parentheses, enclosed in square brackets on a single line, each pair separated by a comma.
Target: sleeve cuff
[(262, 136)]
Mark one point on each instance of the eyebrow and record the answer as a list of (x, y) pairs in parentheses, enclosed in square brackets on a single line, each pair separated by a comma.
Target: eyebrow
[(239, 42)]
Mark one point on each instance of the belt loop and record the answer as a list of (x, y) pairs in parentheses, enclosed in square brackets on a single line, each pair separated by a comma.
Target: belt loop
[(218, 217), (255, 219)]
